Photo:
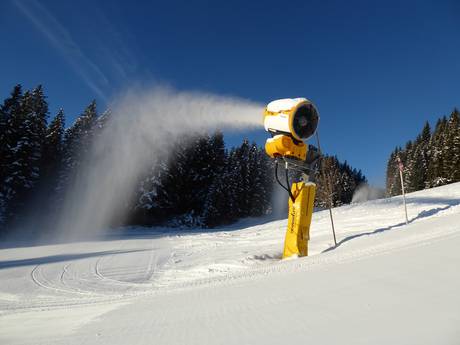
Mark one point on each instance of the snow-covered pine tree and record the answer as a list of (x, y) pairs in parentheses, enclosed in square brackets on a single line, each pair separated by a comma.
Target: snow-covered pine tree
[(77, 143), (455, 171), (53, 150), (336, 182), (145, 203), (233, 193), (241, 168), (10, 108), (242, 189), (40, 116), (324, 184), (208, 157), (218, 153), (394, 183), (418, 177), (437, 157), (215, 204), (337, 187), (407, 158), (102, 120), (260, 181), (167, 189), (359, 177), (451, 166), (232, 180), (27, 126), (3, 147), (347, 182), (433, 159), (221, 206), (425, 151), (265, 170), (389, 174)]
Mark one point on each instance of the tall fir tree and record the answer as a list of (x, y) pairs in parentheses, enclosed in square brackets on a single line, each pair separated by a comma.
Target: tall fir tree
[(260, 182), (436, 165), (418, 166), (241, 168), (391, 173), (9, 112), (53, 148), (451, 166), (76, 146), (220, 202), (27, 126)]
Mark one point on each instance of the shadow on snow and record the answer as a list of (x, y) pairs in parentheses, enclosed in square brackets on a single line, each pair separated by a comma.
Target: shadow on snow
[(423, 214), (61, 257)]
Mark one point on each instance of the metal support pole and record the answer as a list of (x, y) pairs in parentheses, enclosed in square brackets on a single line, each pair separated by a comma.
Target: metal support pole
[(333, 229), (404, 195), (401, 168), (330, 190)]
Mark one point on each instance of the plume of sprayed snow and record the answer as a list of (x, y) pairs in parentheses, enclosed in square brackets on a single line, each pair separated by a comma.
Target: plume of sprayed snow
[(365, 192), (142, 129)]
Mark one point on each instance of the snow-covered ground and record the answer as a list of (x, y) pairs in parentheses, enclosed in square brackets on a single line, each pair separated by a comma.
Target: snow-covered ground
[(386, 282)]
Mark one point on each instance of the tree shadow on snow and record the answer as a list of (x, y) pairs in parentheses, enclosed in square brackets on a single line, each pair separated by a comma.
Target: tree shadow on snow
[(150, 232), (61, 257), (423, 214)]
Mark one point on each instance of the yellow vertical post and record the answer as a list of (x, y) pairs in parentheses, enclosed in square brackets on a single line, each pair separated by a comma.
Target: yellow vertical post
[(299, 220)]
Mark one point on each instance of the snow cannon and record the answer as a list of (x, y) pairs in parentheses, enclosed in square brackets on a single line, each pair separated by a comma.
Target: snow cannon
[(290, 121)]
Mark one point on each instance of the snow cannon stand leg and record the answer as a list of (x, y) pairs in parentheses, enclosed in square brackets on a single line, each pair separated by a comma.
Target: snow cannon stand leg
[(299, 220)]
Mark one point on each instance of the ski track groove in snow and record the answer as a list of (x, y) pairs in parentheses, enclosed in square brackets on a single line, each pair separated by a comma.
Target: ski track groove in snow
[(39, 279)]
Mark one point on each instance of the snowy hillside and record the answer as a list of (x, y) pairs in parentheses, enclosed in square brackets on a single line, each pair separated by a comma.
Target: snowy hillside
[(386, 282)]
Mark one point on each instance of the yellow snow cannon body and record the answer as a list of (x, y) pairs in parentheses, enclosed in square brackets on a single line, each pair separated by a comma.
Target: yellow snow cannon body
[(299, 219), (290, 122), (284, 146)]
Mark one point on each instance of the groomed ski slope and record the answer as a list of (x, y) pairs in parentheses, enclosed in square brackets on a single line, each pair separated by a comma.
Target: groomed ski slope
[(386, 282)]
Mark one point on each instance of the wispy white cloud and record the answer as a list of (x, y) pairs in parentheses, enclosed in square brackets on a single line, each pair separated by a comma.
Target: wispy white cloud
[(118, 55), (60, 38)]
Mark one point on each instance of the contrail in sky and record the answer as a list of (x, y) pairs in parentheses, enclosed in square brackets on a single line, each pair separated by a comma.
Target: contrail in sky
[(61, 39)]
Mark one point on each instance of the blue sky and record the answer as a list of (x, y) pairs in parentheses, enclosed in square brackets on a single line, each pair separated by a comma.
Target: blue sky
[(375, 69)]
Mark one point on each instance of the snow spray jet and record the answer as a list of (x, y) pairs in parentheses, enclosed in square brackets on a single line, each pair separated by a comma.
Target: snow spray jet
[(143, 128), (365, 193)]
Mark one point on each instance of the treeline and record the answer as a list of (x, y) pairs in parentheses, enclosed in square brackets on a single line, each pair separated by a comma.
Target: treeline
[(39, 159), (25, 148), (431, 160), (202, 183)]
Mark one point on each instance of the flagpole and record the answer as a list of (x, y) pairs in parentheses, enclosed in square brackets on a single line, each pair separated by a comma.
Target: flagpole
[(401, 167)]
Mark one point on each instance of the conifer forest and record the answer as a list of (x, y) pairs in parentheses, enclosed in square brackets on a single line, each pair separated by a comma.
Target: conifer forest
[(203, 182), (431, 160)]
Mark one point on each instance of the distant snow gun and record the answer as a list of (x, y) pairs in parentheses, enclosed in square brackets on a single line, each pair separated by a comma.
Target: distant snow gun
[(290, 122)]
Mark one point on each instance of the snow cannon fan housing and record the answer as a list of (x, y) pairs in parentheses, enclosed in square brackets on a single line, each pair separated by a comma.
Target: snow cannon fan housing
[(290, 121)]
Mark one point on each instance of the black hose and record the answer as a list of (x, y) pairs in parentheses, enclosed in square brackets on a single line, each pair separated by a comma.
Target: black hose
[(287, 180)]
